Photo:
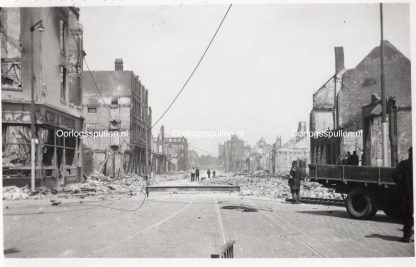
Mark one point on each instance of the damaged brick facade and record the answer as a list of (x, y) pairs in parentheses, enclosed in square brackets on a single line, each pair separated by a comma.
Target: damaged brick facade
[(55, 49), (120, 105), (351, 91)]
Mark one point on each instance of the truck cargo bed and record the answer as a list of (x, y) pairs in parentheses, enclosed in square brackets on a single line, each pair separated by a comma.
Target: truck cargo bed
[(349, 173)]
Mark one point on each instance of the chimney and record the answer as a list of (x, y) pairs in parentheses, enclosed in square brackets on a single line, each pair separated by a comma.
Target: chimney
[(339, 58), (118, 64)]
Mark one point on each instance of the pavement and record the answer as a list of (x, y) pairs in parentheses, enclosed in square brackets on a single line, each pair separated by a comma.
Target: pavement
[(190, 225)]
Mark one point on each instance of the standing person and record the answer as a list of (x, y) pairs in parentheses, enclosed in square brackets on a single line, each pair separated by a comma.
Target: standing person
[(348, 159), (296, 174), (209, 173), (213, 173), (197, 174), (192, 174), (354, 159), (403, 177)]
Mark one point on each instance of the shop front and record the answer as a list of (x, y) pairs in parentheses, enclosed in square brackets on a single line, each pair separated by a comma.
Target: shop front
[(58, 156)]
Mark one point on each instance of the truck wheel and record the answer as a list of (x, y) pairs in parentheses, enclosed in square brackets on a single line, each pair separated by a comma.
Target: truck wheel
[(361, 204)]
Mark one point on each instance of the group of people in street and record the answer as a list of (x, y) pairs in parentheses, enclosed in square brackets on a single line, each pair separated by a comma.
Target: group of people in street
[(209, 173), (351, 159), (195, 174)]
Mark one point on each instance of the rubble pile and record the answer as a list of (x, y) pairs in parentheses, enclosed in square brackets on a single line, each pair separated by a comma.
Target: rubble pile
[(273, 187), (316, 190), (96, 184), (15, 193)]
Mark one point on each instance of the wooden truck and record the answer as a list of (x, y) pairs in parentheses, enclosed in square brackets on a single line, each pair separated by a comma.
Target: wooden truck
[(368, 189)]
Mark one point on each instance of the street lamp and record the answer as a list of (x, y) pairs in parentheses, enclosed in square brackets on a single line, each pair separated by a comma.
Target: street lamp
[(39, 26)]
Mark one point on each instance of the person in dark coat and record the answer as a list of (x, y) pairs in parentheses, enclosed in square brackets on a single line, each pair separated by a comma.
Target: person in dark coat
[(296, 175), (197, 174), (209, 173), (354, 159), (213, 173), (192, 174), (348, 161), (403, 177)]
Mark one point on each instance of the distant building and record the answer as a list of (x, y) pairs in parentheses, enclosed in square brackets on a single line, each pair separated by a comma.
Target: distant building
[(177, 153), (120, 106), (51, 55), (159, 157), (351, 103), (221, 156), (260, 156), (297, 147), (235, 155)]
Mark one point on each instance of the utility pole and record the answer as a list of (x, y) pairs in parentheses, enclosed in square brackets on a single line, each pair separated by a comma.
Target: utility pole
[(383, 93), (33, 139), (146, 133)]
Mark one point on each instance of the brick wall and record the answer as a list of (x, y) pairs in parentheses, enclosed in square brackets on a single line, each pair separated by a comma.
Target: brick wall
[(364, 80)]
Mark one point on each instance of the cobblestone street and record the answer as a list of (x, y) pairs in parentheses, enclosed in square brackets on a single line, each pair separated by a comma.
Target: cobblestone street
[(194, 225)]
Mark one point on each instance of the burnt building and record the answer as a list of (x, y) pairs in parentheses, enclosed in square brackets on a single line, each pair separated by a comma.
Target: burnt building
[(41, 52), (260, 156), (351, 105), (159, 157), (298, 147), (177, 153), (116, 101), (235, 155)]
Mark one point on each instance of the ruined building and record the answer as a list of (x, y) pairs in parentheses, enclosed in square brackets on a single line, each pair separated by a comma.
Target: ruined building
[(234, 155), (120, 106), (159, 157), (41, 52), (297, 147), (260, 156), (177, 153), (350, 102)]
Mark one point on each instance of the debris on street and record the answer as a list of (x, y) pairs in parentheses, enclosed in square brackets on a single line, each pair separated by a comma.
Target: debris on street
[(15, 193), (272, 187), (97, 184)]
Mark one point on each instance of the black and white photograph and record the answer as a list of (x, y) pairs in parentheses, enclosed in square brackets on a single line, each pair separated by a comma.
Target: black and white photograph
[(204, 130)]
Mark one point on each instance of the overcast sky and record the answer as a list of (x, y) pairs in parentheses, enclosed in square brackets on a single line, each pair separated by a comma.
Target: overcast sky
[(260, 72)]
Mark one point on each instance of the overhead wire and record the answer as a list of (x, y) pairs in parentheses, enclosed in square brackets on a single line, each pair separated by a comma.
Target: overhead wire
[(195, 68), (202, 150)]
